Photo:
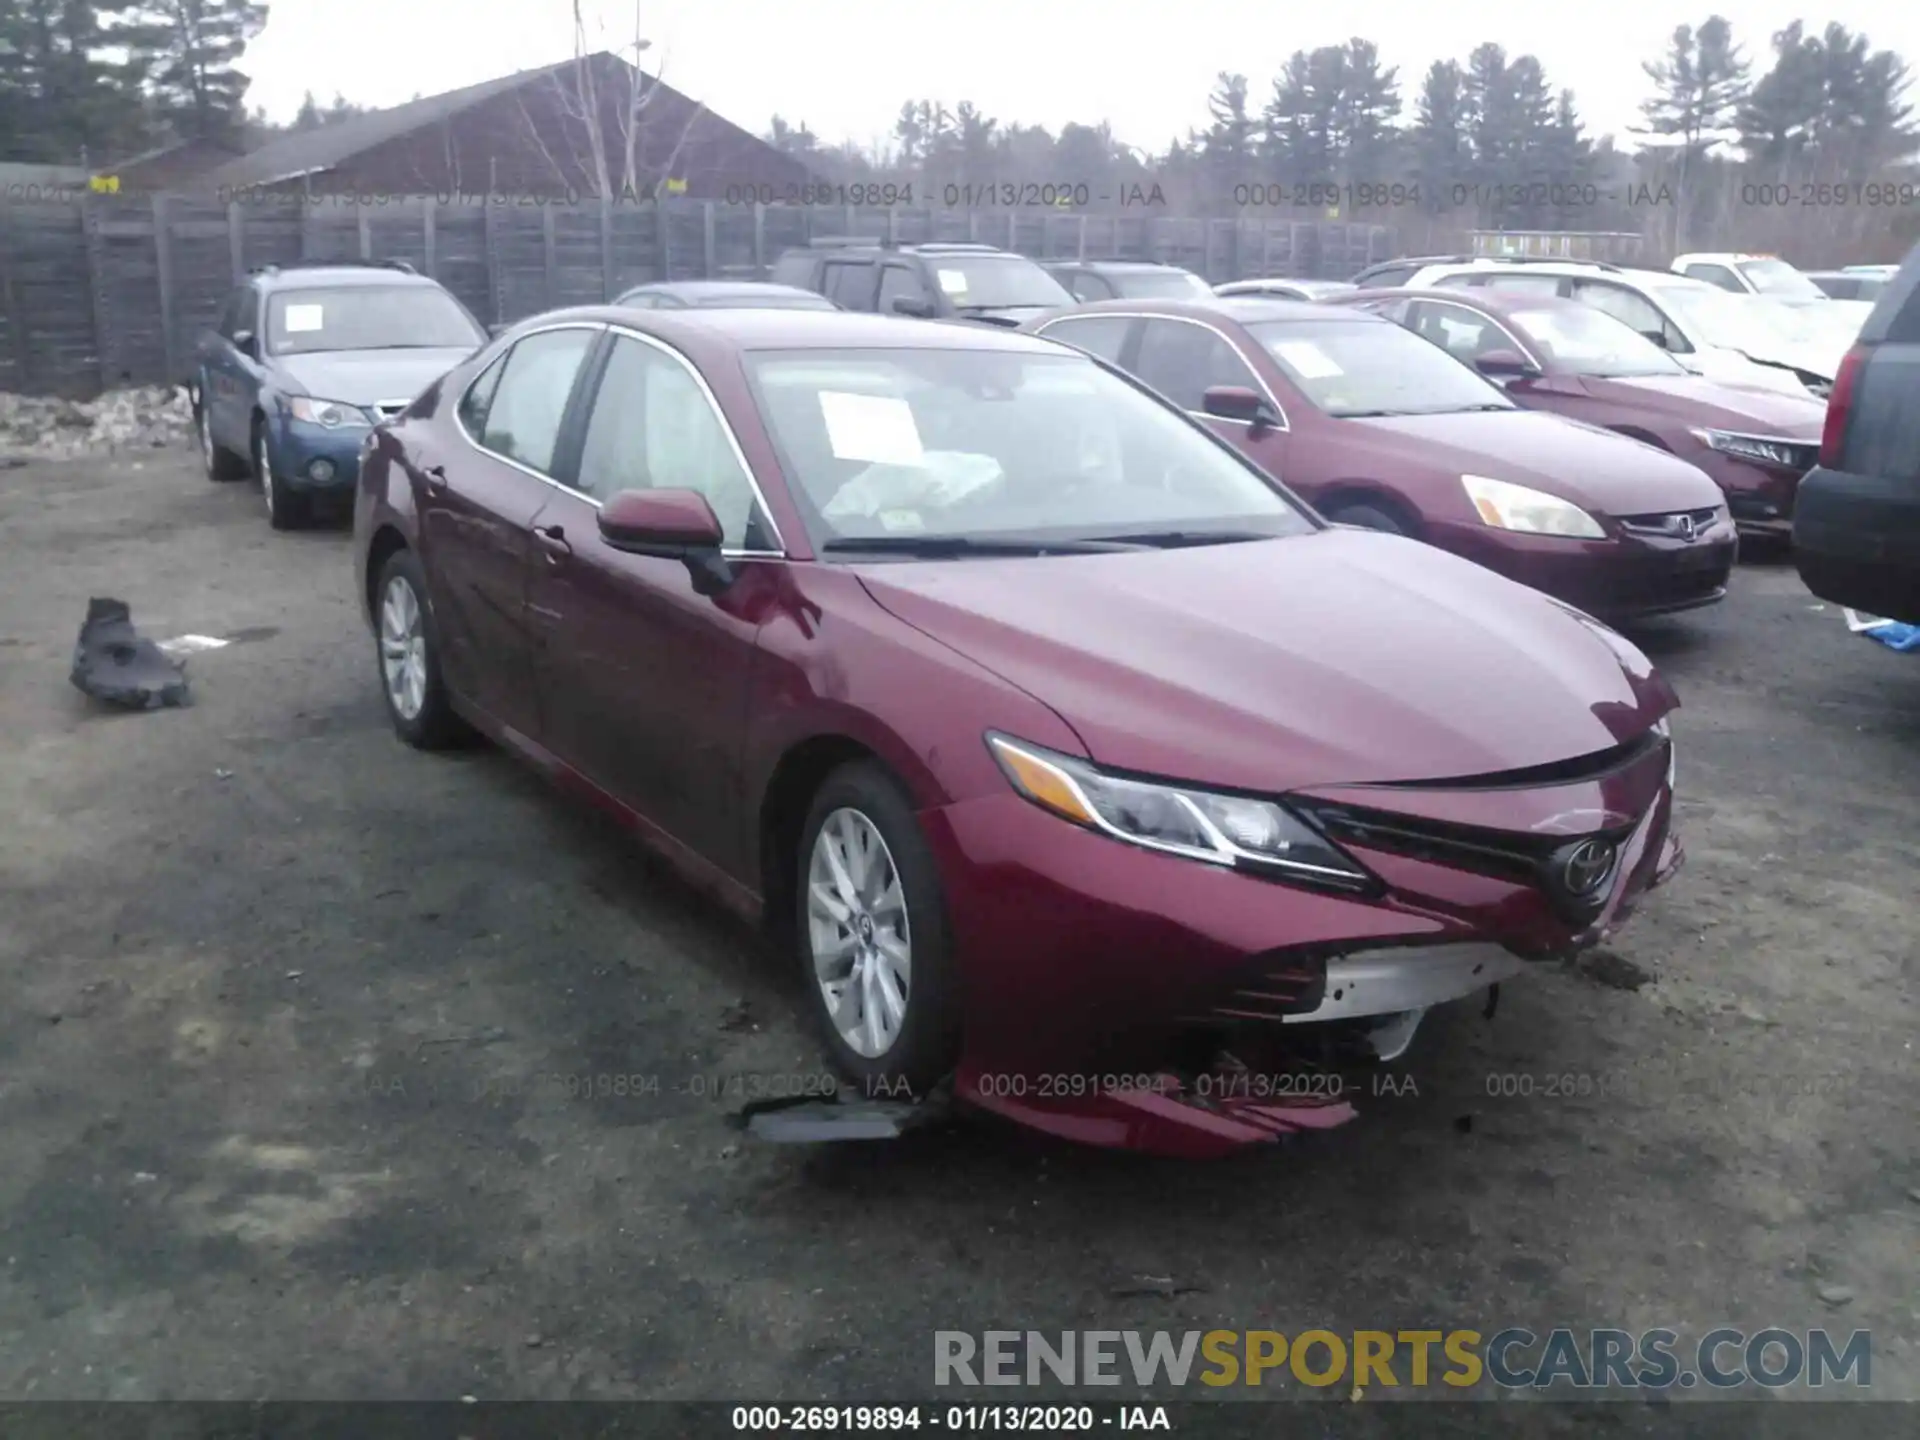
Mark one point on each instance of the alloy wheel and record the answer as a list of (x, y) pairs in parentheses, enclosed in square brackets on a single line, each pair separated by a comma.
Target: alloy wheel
[(858, 934), (403, 648)]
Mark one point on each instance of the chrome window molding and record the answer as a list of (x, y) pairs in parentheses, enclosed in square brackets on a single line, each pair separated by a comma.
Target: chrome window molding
[(729, 551), (1252, 374)]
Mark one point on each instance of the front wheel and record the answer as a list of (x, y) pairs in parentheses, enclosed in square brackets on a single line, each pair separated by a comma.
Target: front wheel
[(286, 507), (1369, 517), (416, 696), (873, 935)]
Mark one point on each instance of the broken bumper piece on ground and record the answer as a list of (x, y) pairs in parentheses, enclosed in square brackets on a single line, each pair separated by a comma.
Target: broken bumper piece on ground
[(113, 662)]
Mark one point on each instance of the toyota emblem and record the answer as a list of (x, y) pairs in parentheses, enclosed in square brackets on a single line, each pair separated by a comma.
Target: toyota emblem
[(1587, 868)]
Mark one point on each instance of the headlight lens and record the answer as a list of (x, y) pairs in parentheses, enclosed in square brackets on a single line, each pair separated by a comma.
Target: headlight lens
[(1198, 824), (1763, 449), (331, 413), (1507, 506), (1664, 729)]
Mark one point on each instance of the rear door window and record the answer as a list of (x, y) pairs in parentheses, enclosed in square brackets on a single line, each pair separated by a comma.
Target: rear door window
[(530, 400)]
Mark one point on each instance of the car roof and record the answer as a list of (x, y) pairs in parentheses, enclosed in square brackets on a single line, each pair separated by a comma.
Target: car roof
[(769, 329), (698, 289), (1494, 302), (1240, 309), (1735, 256), (1587, 270), (334, 277), (1123, 267)]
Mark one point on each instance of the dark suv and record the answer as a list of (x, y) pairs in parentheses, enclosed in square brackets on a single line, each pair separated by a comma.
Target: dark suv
[(1856, 524), (931, 281)]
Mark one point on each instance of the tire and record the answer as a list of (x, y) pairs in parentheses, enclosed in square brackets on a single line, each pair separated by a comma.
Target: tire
[(923, 1044), (428, 723), (287, 508), (220, 463), (1370, 517)]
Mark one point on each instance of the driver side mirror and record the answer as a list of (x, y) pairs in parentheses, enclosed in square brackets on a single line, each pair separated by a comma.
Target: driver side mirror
[(917, 306), (1237, 402), (246, 343), (1506, 365), (673, 525)]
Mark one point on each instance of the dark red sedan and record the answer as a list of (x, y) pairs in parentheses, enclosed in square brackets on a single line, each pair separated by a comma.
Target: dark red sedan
[(1068, 755), (1571, 359), (1376, 428)]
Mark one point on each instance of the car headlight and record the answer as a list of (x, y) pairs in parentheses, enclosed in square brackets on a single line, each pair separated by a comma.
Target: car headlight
[(331, 413), (1507, 506), (1763, 449), (1230, 830)]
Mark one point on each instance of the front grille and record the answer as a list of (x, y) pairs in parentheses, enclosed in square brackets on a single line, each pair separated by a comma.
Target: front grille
[(1670, 524)]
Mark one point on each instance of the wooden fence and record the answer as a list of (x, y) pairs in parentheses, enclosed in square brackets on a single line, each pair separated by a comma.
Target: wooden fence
[(110, 290)]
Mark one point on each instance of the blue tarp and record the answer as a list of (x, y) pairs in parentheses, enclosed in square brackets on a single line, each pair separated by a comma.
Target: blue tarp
[(1890, 633)]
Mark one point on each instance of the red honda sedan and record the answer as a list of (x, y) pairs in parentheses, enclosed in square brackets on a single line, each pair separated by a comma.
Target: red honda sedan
[(1068, 755), (1568, 358), (1374, 427)]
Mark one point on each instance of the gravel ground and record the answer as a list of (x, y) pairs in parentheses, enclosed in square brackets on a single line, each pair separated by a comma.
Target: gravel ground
[(282, 995)]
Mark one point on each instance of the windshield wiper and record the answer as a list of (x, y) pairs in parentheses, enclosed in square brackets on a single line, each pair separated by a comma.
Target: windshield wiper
[(942, 546)]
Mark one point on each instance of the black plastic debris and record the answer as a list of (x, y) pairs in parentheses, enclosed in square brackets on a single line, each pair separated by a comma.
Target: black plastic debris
[(801, 1120), (115, 663)]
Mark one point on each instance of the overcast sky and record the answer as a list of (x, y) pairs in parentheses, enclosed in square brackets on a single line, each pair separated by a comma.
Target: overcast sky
[(843, 67)]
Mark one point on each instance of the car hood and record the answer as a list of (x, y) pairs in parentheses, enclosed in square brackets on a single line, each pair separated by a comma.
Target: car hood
[(366, 377), (1595, 469), (1337, 657), (1696, 400)]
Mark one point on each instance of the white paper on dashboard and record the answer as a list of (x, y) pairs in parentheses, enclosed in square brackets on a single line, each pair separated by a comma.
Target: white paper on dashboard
[(304, 317), (954, 282), (1308, 360), (876, 428)]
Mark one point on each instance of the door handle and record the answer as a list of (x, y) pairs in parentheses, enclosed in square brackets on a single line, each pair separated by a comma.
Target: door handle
[(553, 540), (435, 476)]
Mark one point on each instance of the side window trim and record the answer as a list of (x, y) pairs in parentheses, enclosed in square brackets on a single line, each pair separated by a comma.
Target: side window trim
[(1133, 345), (573, 397)]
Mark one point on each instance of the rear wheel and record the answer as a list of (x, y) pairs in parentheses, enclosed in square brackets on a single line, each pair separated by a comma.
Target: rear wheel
[(286, 507), (221, 464), (872, 934), (1370, 517)]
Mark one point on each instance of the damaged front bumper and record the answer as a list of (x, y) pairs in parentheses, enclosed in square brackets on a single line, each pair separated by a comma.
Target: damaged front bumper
[(1112, 996)]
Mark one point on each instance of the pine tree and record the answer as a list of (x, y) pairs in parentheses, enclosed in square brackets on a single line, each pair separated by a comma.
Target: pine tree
[(186, 51)]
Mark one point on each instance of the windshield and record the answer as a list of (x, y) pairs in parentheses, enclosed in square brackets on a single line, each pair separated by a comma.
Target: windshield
[(369, 317), (1777, 277), (1160, 285), (919, 445), (995, 281), (1586, 342), (1731, 322), (1373, 367)]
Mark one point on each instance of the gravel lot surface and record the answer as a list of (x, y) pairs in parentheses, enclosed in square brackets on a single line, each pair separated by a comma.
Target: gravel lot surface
[(284, 998)]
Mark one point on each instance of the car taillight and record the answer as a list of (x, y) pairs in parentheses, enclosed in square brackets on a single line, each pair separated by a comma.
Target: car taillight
[(1833, 437)]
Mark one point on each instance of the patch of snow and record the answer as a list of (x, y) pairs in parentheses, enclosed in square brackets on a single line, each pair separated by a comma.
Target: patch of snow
[(146, 417)]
